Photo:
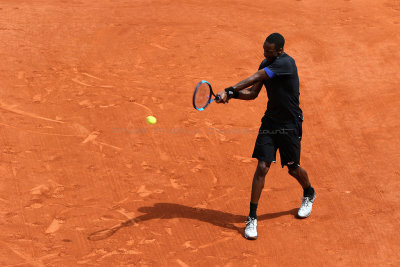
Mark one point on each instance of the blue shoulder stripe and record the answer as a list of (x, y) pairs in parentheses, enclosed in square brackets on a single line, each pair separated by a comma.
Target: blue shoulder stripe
[(269, 72)]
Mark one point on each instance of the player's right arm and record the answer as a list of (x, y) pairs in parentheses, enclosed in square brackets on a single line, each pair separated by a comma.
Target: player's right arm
[(251, 92)]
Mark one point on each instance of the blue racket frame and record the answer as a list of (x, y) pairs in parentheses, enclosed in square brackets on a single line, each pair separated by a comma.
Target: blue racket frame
[(209, 97)]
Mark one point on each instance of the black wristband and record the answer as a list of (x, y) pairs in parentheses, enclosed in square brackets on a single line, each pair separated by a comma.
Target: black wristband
[(231, 93)]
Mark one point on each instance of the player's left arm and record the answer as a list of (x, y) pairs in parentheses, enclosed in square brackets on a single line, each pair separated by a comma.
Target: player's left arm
[(257, 77), (250, 93)]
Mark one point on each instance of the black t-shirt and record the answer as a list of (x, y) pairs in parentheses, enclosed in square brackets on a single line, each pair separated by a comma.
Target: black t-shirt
[(282, 89)]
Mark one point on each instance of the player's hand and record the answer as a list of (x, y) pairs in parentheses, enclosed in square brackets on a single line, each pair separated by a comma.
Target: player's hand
[(223, 97)]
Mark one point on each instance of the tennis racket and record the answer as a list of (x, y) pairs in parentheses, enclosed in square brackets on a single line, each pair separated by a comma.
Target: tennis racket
[(203, 95)]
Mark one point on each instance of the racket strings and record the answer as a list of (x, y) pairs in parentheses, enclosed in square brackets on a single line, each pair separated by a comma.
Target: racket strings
[(202, 96)]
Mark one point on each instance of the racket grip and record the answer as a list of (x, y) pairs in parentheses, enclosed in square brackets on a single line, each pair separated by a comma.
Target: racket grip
[(217, 97)]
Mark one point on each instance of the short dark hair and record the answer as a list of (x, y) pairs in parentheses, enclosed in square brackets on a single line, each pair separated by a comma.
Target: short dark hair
[(277, 39)]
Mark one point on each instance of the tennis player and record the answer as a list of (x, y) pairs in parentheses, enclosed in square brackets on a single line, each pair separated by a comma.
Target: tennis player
[(281, 125)]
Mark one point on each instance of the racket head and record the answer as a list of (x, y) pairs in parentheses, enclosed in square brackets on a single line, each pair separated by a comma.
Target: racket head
[(202, 95)]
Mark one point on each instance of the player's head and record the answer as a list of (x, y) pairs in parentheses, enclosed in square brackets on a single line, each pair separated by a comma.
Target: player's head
[(273, 46)]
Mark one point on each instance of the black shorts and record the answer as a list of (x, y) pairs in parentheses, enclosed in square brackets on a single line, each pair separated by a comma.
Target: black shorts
[(283, 136)]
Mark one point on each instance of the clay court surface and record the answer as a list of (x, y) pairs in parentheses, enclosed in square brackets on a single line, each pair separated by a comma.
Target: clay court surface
[(78, 78)]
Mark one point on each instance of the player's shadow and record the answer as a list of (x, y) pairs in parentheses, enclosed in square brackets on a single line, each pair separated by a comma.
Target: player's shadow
[(167, 211)]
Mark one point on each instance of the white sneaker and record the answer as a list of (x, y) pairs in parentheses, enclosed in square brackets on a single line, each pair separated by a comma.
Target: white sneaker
[(251, 228), (306, 206)]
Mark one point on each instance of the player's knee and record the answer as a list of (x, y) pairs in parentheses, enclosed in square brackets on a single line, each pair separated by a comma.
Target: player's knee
[(263, 167), (292, 172), (292, 168)]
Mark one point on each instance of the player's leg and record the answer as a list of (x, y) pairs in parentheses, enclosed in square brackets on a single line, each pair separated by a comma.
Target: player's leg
[(259, 181), (308, 191), (289, 143), (300, 175), (264, 151), (250, 231), (289, 148)]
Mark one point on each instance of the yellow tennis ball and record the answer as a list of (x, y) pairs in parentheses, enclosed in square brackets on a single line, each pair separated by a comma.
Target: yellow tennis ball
[(151, 119)]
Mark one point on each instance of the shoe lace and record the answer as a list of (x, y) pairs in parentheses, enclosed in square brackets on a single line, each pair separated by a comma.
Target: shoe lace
[(250, 223), (305, 202)]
